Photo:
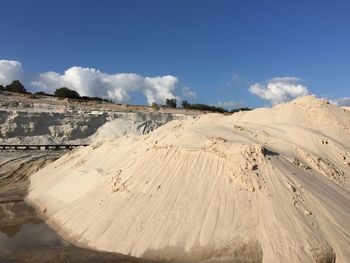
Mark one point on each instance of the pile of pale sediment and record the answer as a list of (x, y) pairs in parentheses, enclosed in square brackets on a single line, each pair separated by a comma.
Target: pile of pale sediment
[(269, 185)]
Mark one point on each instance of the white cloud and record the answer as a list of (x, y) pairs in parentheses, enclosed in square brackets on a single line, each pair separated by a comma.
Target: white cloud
[(188, 93), (10, 70), (229, 104), (279, 89), (342, 102), (118, 86)]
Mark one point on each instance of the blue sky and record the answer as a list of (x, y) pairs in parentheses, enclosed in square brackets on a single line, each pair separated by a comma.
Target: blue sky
[(216, 49)]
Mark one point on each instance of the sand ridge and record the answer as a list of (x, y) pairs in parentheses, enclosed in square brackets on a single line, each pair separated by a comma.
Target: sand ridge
[(269, 185)]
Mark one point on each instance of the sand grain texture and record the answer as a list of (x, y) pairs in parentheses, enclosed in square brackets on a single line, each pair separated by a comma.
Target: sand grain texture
[(269, 185)]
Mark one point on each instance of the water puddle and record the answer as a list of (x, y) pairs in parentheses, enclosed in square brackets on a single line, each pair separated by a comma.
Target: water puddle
[(24, 237), (22, 229), (28, 236)]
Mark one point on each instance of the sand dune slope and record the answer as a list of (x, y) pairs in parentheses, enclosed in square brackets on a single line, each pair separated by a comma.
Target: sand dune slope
[(270, 185)]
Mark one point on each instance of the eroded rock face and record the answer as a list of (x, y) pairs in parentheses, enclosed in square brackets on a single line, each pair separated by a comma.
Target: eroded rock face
[(40, 127)]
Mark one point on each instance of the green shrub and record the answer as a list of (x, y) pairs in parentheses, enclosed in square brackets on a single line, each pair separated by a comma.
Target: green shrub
[(155, 106), (204, 107), (171, 103), (185, 104), (15, 86), (42, 93), (240, 109), (95, 99), (66, 93)]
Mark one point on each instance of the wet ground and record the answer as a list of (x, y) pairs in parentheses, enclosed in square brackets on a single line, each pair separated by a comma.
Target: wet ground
[(24, 237)]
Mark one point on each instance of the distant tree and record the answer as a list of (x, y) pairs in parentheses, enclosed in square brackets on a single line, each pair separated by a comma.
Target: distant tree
[(15, 86), (171, 103), (155, 106), (185, 104), (240, 109), (42, 93), (204, 107), (2, 87), (94, 99), (66, 93)]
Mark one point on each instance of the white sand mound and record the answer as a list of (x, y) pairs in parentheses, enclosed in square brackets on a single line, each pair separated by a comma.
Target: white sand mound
[(270, 185)]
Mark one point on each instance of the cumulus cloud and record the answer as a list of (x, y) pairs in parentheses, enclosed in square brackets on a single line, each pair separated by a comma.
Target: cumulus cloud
[(342, 102), (118, 86), (280, 89), (188, 93), (10, 70)]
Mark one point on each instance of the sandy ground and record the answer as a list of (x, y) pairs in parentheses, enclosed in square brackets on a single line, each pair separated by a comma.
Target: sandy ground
[(269, 185), (24, 237)]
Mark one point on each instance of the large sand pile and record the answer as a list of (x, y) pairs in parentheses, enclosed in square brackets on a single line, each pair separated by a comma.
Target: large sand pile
[(270, 185)]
